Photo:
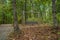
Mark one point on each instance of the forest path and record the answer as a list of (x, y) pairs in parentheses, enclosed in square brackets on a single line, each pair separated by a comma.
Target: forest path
[(4, 31)]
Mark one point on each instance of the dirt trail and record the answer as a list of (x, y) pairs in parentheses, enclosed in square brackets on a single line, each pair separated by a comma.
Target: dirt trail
[(4, 31)]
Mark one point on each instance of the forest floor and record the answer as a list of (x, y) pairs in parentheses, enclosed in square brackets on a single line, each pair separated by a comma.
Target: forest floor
[(29, 32)]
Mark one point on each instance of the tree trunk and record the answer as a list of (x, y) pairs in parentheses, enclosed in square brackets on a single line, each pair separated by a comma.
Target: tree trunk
[(3, 12), (54, 13), (3, 18), (25, 11), (23, 17), (32, 6), (55, 24), (16, 28), (38, 15)]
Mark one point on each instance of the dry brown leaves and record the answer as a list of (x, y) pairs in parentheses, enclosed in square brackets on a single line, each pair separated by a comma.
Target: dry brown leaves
[(34, 33)]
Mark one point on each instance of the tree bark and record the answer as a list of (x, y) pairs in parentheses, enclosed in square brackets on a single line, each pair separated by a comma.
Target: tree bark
[(32, 6), (23, 17), (54, 13), (3, 18), (55, 24), (3, 12), (25, 11), (16, 28)]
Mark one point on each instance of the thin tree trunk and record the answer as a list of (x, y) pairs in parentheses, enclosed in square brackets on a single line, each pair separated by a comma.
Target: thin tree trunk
[(54, 13), (16, 28), (3, 16), (23, 17), (55, 25), (38, 15), (25, 11), (32, 6)]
